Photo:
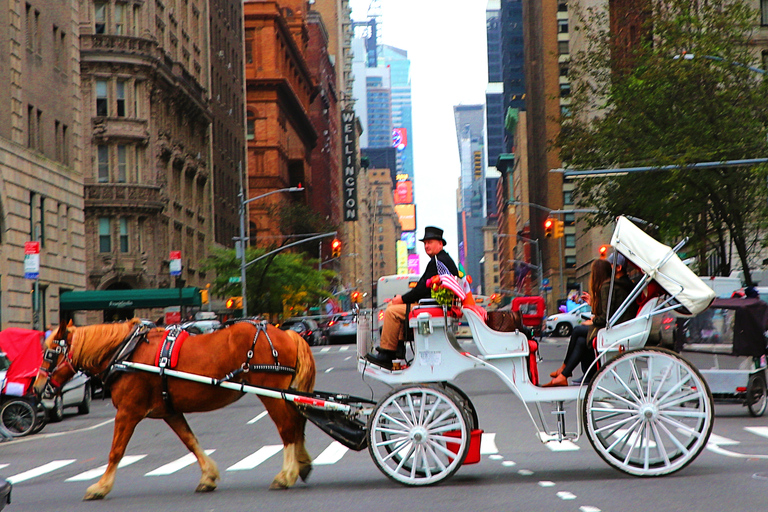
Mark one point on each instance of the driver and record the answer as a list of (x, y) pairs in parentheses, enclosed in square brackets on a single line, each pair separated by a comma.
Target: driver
[(394, 315)]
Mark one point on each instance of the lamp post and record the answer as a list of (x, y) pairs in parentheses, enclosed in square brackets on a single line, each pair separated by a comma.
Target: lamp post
[(241, 242)]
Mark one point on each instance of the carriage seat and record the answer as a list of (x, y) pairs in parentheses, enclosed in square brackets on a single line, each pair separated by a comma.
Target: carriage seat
[(495, 344), (630, 334)]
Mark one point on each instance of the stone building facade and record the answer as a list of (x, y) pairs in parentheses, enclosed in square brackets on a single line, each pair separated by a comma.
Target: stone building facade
[(41, 182), (146, 144)]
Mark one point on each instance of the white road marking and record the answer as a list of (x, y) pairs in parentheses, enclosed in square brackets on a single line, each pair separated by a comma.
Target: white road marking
[(97, 472), (348, 358), (488, 444), (546, 483), (558, 446), (496, 456), (257, 418), (45, 468), (722, 451), (758, 431), (325, 349), (329, 370), (3, 466), (589, 508), (509, 463), (720, 440), (176, 465), (565, 495), (331, 455), (525, 472), (344, 348), (256, 458)]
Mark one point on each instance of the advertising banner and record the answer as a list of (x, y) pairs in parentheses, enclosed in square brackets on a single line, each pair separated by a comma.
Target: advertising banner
[(404, 192), (349, 165), (175, 263), (409, 237), (413, 264), (402, 257), (407, 215), (399, 138), (31, 260)]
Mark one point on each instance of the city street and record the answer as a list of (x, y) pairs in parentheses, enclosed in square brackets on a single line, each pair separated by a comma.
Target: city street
[(51, 470)]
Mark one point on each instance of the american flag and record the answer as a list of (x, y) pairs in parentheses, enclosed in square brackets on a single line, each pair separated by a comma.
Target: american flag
[(449, 281)]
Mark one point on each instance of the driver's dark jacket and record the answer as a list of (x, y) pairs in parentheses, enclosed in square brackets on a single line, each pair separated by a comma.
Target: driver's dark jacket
[(421, 291)]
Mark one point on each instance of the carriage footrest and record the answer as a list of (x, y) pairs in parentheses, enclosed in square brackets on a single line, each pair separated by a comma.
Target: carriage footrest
[(339, 426)]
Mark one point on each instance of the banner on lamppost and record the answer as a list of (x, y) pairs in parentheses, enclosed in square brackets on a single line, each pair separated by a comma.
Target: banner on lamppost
[(401, 250), (349, 165), (31, 260), (175, 263)]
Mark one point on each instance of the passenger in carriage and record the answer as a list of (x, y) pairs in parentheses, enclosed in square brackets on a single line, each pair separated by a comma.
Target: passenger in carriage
[(394, 316), (580, 345)]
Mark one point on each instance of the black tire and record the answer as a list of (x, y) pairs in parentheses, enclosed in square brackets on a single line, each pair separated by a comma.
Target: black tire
[(563, 330), (85, 406), (56, 413), (757, 401), (18, 417)]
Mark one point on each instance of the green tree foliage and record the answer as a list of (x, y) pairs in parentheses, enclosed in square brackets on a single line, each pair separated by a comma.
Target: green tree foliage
[(283, 279), (644, 107)]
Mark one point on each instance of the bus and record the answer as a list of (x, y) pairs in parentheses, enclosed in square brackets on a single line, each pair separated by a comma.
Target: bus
[(386, 289)]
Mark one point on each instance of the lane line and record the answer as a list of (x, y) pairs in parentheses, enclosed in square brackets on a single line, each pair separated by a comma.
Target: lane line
[(325, 349), (257, 418), (329, 370), (722, 451), (256, 458), (331, 455), (344, 348), (41, 470), (176, 465), (92, 474), (348, 358), (525, 472), (721, 441), (3, 466), (758, 431), (565, 495), (546, 483), (589, 508)]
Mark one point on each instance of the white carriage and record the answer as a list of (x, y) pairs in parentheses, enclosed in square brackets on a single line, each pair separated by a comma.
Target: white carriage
[(647, 411)]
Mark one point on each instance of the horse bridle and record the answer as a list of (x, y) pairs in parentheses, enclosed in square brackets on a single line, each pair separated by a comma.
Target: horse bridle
[(58, 356)]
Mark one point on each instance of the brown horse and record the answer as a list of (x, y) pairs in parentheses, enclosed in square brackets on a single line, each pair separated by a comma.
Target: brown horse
[(137, 395)]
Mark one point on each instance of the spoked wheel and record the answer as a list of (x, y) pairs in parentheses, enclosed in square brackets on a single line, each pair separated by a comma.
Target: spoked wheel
[(419, 435), (756, 395), (648, 412), (18, 417)]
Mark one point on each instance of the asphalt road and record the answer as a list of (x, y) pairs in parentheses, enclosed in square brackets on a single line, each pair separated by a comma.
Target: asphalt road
[(516, 472)]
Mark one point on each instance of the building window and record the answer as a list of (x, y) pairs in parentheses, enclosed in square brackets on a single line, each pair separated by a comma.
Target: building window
[(122, 164), (570, 241), (119, 19), (31, 136), (249, 46), (103, 163), (565, 90), (102, 101), (570, 262), (100, 17), (764, 12), (250, 133), (105, 238), (562, 26), (120, 94), (567, 197), (569, 219), (123, 235), (562, 47)]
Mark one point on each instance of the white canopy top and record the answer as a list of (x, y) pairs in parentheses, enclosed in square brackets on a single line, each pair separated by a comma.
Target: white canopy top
[(662, 264)]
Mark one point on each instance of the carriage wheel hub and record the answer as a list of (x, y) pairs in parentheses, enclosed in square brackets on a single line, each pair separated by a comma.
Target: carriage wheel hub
[(648, 412), (418, 435)]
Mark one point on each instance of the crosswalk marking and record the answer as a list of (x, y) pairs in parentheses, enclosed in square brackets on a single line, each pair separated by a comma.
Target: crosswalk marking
[(256, 458), (41, 470), (331, 455), (721, 441), (176, 465), (3, 466), (325, 349), (488, 443), (344, 348), (97, 472), (758, 431), (257, 418)]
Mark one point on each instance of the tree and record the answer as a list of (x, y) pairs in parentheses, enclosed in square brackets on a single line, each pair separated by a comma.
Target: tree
[(283, 279), (639, 106)]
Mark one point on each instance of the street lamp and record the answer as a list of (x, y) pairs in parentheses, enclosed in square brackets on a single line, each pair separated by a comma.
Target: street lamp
[(241, 241)]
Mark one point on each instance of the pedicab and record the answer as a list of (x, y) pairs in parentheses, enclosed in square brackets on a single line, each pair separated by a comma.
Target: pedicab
[(21, 413), (647, 411), (727, 342)]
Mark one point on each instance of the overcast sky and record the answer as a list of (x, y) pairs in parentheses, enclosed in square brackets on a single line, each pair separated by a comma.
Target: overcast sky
[(446, 44)]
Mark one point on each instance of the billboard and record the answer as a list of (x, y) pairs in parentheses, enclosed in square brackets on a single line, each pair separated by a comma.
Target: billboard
[(349, 165), (399, 138), (407, 215), (404, 192), (413, 263), (402, 257), (409, 237)]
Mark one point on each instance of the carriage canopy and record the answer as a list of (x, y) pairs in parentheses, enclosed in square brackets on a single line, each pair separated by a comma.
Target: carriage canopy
[(662, 264)]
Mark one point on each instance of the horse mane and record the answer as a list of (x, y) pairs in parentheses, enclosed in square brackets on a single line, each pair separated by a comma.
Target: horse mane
[(96, 343)]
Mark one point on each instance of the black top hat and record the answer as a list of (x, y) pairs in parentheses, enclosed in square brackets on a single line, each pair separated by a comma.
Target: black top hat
[(433, 233)]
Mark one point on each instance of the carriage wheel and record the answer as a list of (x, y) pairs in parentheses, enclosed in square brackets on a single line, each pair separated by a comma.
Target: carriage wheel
[(419, 435), (756, 395), (648, 412), (18, 417)]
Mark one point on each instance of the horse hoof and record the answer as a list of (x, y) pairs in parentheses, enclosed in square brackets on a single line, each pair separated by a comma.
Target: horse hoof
[(205, 488), (304, 472), (276, 485), (90, 496)]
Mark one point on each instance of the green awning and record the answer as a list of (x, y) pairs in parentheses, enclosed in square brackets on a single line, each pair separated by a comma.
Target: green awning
[(130, 299)]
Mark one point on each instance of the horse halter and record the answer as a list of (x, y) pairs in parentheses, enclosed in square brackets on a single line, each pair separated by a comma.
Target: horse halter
[(55, 358)]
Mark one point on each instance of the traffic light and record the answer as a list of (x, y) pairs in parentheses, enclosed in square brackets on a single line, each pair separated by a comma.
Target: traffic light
[(495, 298), (559, 227), (549, 227), (356, 297), (234, 303), (604, 251), (336, 248)]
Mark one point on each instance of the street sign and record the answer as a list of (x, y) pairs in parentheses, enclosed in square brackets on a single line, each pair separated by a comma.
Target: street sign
[(31, 260), (545, 282), (234, 279), (175, 263)]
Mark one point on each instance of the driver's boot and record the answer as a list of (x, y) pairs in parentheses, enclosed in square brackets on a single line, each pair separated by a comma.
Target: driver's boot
[(383, 358)]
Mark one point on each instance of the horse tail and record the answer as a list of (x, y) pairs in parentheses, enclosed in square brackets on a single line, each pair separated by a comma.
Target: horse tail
[(304, 380)]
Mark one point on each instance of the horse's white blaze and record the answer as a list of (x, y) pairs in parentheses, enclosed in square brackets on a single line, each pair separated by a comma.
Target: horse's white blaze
[(256, 458)]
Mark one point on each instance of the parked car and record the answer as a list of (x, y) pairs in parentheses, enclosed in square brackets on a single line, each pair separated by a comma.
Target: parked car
[(77, 392), (562, 324), (342, 328), (202, 326), (307, 329)]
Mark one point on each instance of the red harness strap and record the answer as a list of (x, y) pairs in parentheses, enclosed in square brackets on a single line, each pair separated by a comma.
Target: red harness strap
[(168, 351)]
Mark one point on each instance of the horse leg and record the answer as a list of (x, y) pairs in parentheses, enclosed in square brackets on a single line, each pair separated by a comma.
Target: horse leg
[(125, 424), (290, 425), (210, 471)]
